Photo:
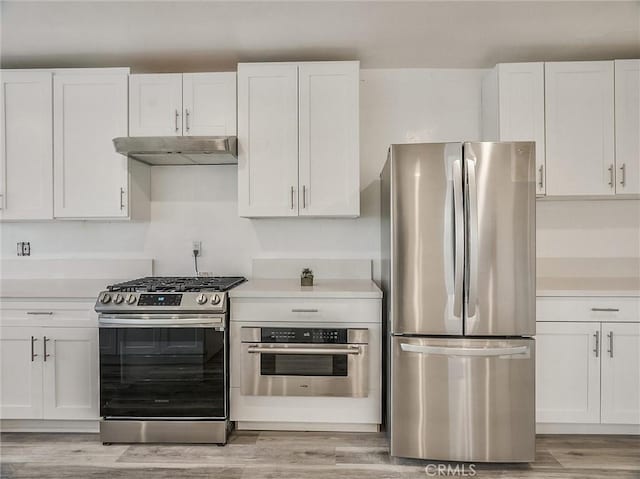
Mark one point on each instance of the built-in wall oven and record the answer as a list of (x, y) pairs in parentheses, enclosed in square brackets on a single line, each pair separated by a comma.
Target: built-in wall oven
[(304, 361)]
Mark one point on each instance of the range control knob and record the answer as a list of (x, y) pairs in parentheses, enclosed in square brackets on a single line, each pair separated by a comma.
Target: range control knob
[(118, 299), (201, 299), (106, 297), (131, 298), (215, 299)]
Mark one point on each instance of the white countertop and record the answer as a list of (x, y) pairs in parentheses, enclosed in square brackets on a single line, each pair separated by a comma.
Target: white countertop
[(322, 288), (54, 287), (588, 286)]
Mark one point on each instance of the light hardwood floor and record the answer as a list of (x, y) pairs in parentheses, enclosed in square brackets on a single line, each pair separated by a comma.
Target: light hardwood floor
[(284, 455)]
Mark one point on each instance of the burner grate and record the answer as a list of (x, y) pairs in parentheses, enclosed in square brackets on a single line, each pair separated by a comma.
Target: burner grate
[(178, 284)]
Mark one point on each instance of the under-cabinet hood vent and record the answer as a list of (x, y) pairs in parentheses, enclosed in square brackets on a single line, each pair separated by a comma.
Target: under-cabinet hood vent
[(179, 150)]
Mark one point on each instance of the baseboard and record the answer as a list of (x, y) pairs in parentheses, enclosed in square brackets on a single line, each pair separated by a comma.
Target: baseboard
[(305, 426), (40, 425), (565, 428)]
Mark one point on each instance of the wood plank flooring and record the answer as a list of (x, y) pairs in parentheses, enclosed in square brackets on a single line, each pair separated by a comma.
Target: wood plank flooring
[(292, 455)]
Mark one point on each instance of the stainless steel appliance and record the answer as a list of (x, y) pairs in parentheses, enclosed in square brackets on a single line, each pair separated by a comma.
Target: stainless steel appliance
[(458, 273), (305, 361), (179, 150), (164, 360)]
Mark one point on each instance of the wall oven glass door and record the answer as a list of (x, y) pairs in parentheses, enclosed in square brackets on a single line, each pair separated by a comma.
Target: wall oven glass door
[(162, 372)]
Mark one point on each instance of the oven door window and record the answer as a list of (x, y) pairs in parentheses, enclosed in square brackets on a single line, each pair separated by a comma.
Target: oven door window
[(303, 365), (162, 372)]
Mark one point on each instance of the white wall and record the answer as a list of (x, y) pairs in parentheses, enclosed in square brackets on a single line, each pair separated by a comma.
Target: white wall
[(199, 203)]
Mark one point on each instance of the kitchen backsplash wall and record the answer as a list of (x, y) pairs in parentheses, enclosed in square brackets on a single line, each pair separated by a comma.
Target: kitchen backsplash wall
[(199, 203)]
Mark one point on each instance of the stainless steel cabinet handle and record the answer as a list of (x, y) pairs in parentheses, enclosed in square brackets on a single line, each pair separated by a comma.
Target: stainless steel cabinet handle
[(310, 351), (606, 310), (1, 201), (454, 351), (472, 201), (596, 349), (304, 196), (177, 116), (302, 310), (458, 209), (121, 198), (33, 353), (292, 191), (610, 336), (623, 176), (45, 349), (611, 183), (186, 119), (541, 172), (40, 313)]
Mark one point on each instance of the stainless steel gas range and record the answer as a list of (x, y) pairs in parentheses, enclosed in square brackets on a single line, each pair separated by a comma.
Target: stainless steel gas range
[(164, 360)]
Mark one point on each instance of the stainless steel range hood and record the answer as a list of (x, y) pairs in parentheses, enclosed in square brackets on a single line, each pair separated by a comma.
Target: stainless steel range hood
[(179, 150)]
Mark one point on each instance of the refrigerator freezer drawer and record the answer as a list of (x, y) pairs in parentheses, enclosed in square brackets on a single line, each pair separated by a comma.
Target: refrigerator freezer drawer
[(463, 399)]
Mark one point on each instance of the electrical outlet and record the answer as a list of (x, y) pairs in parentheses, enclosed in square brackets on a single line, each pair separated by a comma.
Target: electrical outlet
[(24, 248), (196, 246)]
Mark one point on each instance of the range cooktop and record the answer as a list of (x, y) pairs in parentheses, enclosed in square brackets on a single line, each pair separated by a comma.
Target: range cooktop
[(178, 284)]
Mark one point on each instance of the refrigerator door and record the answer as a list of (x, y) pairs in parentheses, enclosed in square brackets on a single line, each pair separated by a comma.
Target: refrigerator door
[(423, 216), (501, 250), (463, 399)]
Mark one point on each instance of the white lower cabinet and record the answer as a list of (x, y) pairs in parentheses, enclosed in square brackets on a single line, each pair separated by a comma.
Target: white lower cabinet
[(49, 373), (567, 372), (588, 373), (620, 400)]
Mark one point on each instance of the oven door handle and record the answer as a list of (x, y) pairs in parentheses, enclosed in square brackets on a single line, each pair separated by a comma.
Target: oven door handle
[(317, 351), (155, 321)]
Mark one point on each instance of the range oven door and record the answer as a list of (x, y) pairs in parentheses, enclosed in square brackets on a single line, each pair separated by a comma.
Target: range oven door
[(163, 367), (305, 369)]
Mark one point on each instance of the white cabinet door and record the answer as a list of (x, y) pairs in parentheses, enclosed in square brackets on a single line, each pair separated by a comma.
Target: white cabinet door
[(155, 104), (621, 373), (627, 92), (568, 372), (580, 130), (21, 369), (90, 178), (521, 109), (267, 139), (26, 172), (71, 373), (329, 139), (209, 101)]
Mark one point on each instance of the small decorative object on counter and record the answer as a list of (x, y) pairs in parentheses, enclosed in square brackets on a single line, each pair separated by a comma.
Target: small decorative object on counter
[(306, 279)]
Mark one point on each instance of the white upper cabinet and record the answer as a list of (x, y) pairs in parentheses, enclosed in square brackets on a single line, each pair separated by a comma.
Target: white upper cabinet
[(176, 104), (90, 178), (513, 109), (579, 102), (209, 103), (26, 169), (267, 139), (329, 173), (298, 139), (627, 87), (155, 104), (621, 373)]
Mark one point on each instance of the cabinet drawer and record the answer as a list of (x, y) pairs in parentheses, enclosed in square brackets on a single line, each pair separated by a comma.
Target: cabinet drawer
[(588, 309), (42, 314), (307, 310)]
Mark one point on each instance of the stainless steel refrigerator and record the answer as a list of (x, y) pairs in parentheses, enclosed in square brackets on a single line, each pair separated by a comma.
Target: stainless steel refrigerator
[(458, 274)]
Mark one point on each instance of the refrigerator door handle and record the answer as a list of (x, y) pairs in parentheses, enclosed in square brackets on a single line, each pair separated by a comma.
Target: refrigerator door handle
[(454, 351), (472, 202), (458, 210)]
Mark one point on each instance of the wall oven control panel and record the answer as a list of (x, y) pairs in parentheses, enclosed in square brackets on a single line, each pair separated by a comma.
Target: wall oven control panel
[(303, 335)]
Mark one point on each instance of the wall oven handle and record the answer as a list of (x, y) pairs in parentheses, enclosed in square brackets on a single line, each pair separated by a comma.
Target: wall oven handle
[(312, 351), (456, 351), (152, 321)]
